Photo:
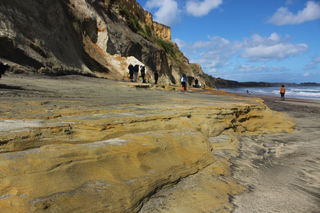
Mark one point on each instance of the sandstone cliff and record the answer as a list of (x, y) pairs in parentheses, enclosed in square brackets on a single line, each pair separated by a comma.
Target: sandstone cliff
[(89, 37)]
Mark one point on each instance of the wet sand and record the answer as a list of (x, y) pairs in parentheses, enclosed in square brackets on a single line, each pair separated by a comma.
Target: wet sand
[(282, 171)]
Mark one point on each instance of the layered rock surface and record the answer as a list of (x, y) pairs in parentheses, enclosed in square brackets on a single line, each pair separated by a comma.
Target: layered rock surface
[(108, 147)]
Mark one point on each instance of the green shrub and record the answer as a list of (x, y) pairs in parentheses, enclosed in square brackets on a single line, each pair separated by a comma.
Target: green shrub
[(124, 12), (148, 31), (132, 20), (168, 47), (135, 25)]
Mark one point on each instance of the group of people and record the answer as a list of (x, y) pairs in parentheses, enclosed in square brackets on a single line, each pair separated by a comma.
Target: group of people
[(184, 83), (198, 85), (134, 71)]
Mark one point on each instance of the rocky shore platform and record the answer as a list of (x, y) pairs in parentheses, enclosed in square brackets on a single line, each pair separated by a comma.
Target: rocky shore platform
[(80, 144)]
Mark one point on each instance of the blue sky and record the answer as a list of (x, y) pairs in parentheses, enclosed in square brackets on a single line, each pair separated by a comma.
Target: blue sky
[(246, 40)]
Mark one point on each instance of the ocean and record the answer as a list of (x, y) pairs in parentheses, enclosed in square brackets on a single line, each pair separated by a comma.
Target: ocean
[(304, 92)]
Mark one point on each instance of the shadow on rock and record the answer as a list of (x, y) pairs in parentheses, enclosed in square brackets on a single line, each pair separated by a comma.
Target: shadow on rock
[(4, 86)]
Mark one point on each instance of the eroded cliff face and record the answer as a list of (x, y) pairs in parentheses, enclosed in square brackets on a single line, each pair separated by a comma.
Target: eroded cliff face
[(97, 38), (108, 149), (162, 31)]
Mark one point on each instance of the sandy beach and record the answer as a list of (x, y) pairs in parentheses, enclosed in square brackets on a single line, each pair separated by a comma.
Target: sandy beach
[(282, 171), (252, 172)]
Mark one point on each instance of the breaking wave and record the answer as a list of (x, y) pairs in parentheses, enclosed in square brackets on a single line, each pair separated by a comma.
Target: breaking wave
[(291, 92)]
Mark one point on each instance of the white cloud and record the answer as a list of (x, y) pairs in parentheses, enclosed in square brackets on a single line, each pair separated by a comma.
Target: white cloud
[(244, 68), (248, 68), (274, 37), (181, 44), (212, 54), (306, 74), (202, 8), (283, 16), (167, 11), (313, 63), (218, 53), (260, 48), (277, 51)]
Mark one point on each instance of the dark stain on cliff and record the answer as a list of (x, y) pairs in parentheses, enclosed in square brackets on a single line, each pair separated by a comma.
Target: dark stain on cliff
[(10, 51), (134, 49), (89, 27)]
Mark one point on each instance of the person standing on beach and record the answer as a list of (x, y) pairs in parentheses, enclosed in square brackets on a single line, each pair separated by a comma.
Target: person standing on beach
[(196, 83), (156, 76), (143, 73), (184, 82), (3, 67), (131, 70), (136, 71), (282, 92)]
